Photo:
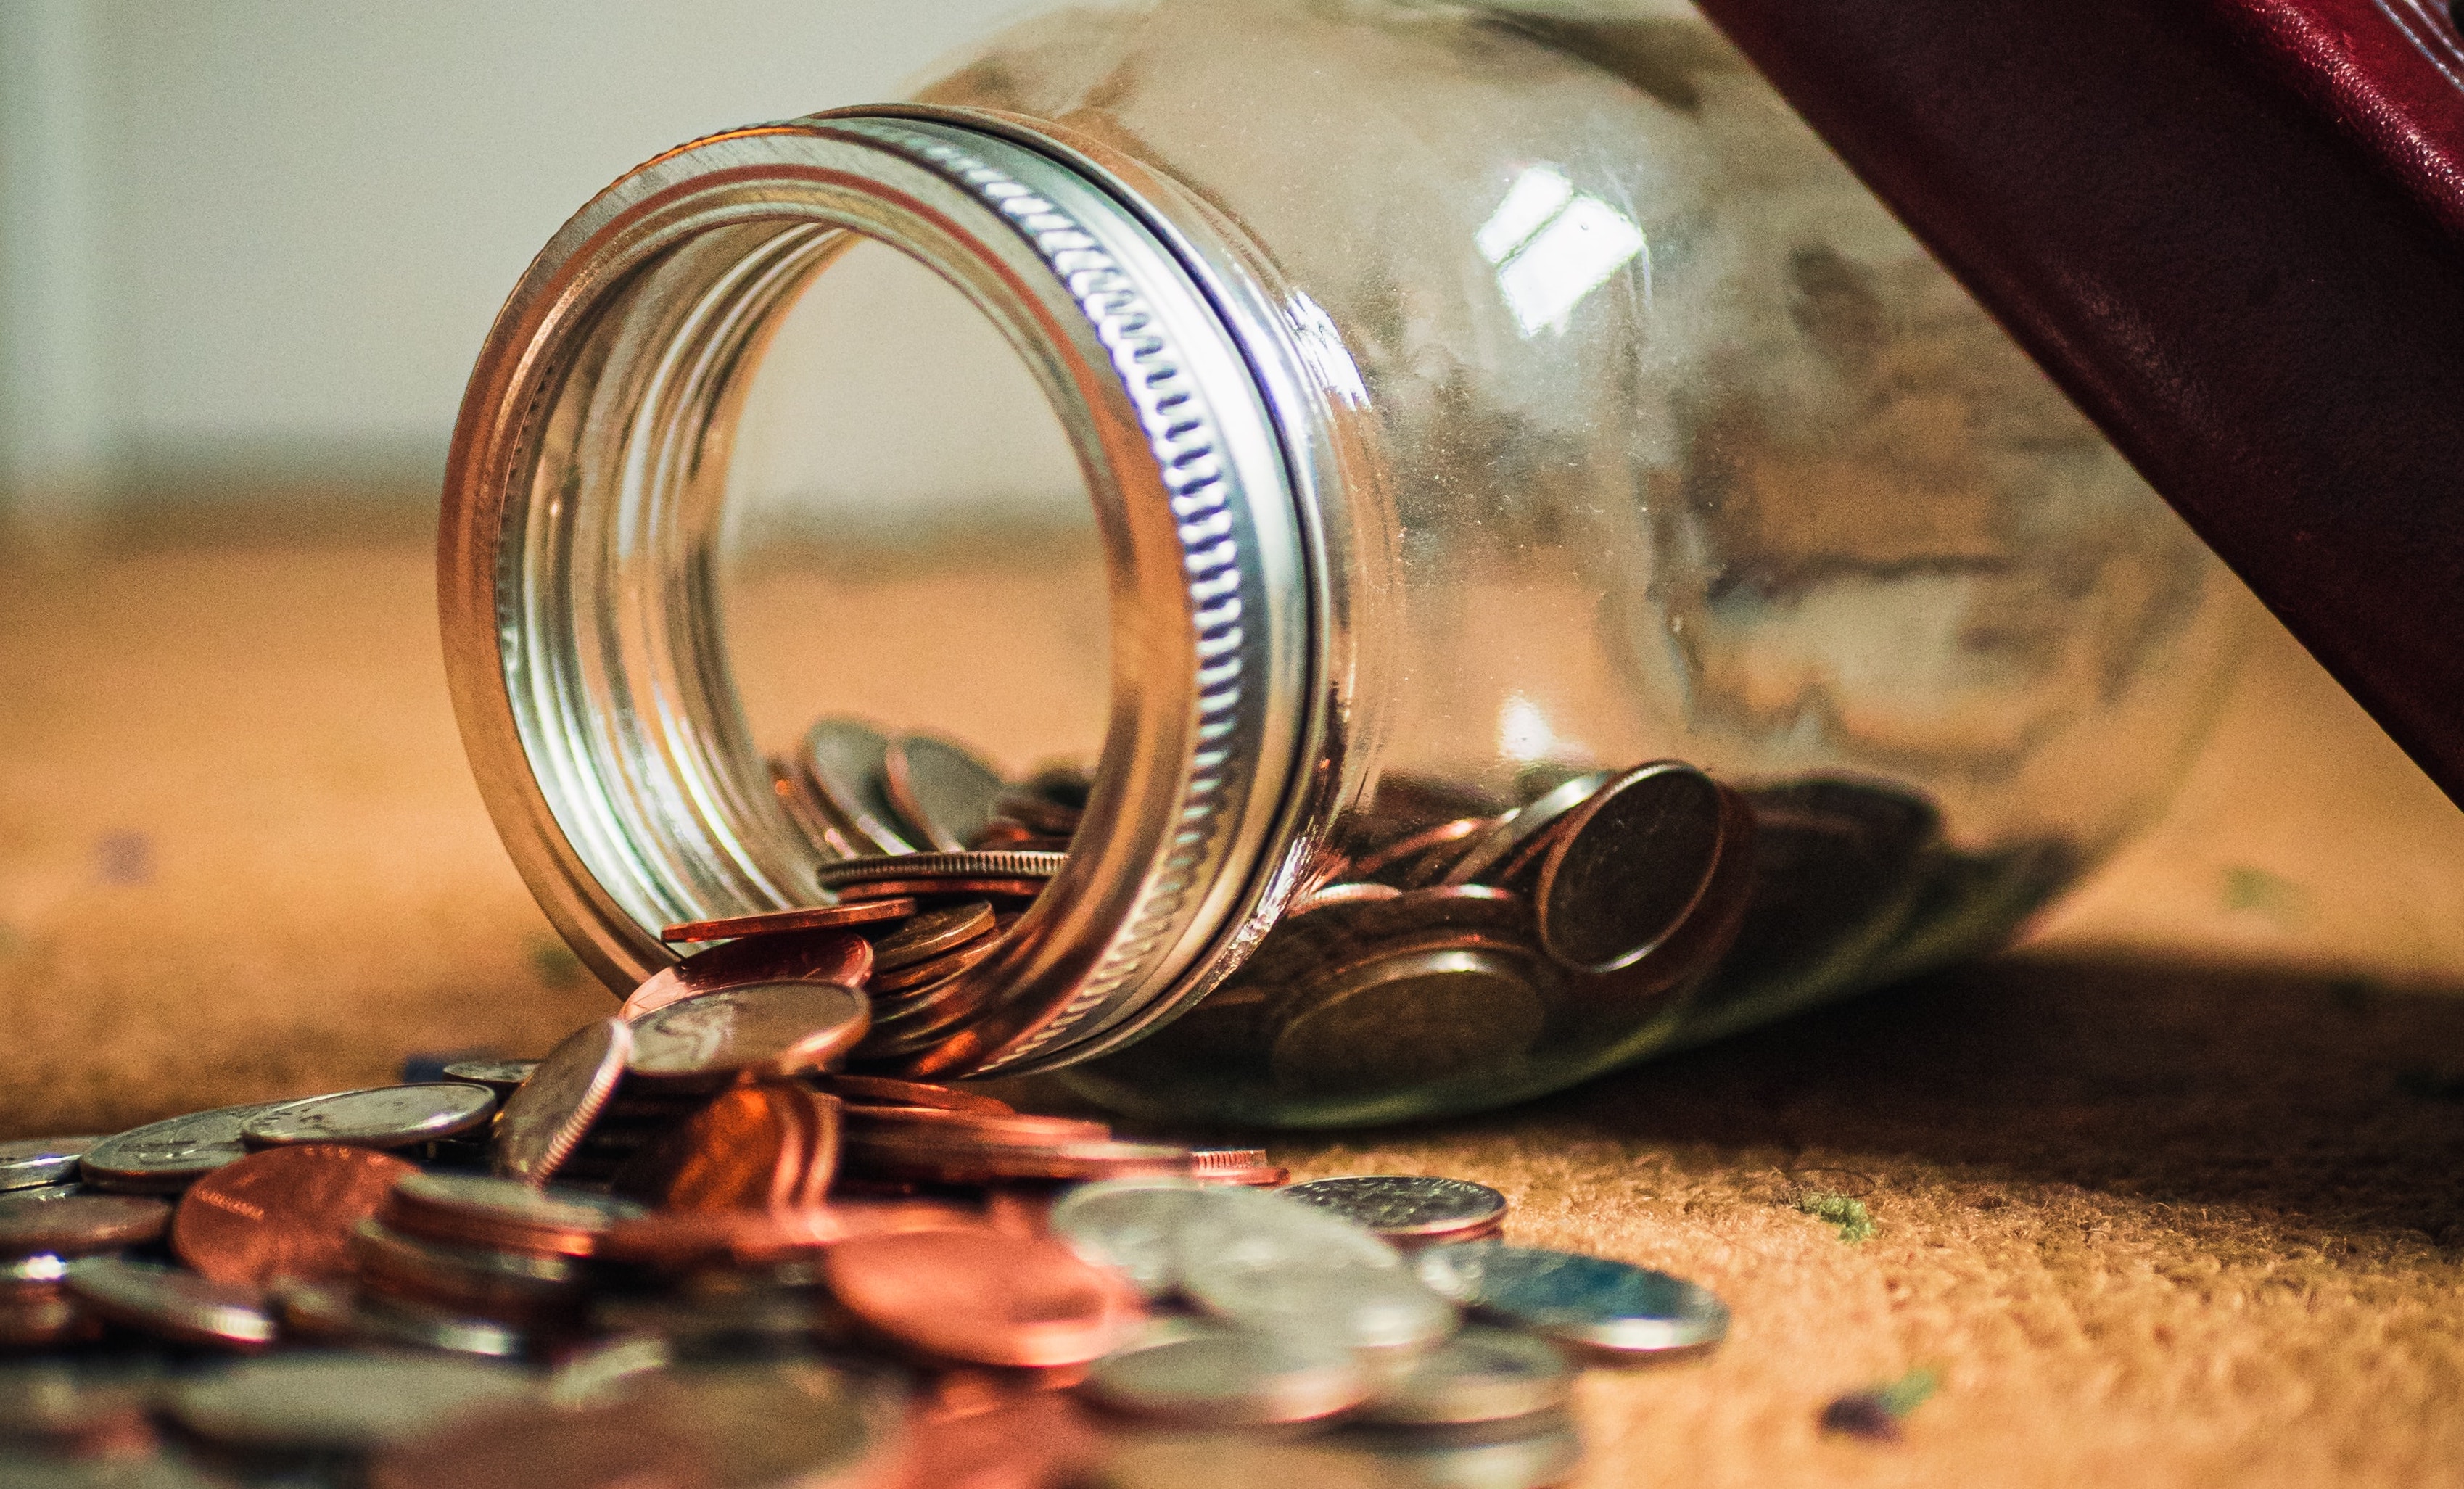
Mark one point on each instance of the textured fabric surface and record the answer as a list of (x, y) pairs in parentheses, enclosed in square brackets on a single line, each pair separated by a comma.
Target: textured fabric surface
[(2166, 1198)]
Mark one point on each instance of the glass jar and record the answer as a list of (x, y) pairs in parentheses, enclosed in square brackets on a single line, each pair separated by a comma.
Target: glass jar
[(1374, 441)]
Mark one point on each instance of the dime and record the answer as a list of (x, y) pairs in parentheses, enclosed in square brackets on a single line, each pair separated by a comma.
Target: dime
[(545, 1120), (1632, 863), (941, 869), (816, 917), (1406, 1209), (164, 1157), (385, 1116), (769, 1028), (752, 1148), (1578, 1300), (506, 1286), (930, 933), (865, 1090), (36, 1161), (172, 1304), (286, 1212), (1256, 1230), (499, 1076), (1132, 1226), (942, 793), (840, 957), (468, 1210), (78, 1225), (842, 763), (334, 1401), (1382, 1310), (980, 1297), (1508, 848), (1483, 1375), (1206, 1375)]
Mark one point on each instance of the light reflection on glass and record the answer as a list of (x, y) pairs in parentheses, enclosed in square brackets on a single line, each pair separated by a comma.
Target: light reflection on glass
[(1553, 246)]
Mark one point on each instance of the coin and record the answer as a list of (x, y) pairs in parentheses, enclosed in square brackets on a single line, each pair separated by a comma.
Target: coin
[(866, 1090), (1407, 1210), (505, 1286), (1012, 888), (499, 1076), (1037, 812), (1578, 1300), (33, 1318), (339, 1401), (78, 1225), (930, 933), (1254, 1231), (468, 1209), (768, 1028), (1382, 1310), (937, 1161), (385, 1116), (164, 1157), (1497, 856), (943, 794), (1248, 1167), (941, 869), (1132, 1226), (1410, 1019), (546, 1118), (918, 976), (1483, 1375), (749, 1150), (1206, 1375), (172, 1304), (842, 763), (35, 1161), (980, 1297), (1430, 850), (1525, 1453), (1333, 894), (840, 957), (1632, 863), (286, 1212), (814, 917)]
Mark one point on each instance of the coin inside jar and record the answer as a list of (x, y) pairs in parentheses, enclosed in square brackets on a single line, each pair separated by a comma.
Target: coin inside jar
[(922, 872), (1632, 863), (1407, 1018), (842, 761), (1407, 1208), (841, 956), (546, 1118), (930, 933), (1593, 1302), (942, 793), (283, 1212), (771, 1028), (385, 1116), (814, 917), (1504, 850)]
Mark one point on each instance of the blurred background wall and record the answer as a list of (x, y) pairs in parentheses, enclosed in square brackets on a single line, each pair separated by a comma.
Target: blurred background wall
[(249, 247)]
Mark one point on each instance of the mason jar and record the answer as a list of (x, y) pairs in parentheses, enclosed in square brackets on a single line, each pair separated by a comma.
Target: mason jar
[(1497, 554)]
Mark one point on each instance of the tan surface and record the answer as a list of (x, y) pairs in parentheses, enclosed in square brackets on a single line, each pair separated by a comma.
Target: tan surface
[(2168, 1198)]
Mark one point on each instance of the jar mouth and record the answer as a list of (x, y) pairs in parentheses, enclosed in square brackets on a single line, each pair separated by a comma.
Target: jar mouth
[(578, 555)]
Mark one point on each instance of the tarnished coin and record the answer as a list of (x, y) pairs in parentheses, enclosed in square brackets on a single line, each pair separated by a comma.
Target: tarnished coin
[(814, 917), (164, 1157), (840, 957), (930, 933), (767, 1029), (1417, 859), (981, 1297), (171, 1302), (339, 1401), (943, 794), (1407, 1210), (1578, 1300), (471, 1210), (1206, 1375), (1408, 1018), (866, 1091), (36, 1161), (499, 1076), (1512, 846), (933, 869), (547, 1119), (1633, 862), (1483, 1375), (286, 1212), (1132, 1226), (842, 763), (78, 1225), (385, 1116)]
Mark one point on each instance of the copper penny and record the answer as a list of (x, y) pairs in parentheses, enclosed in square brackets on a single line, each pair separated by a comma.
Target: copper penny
[(1341, 895), (840, 957), (929, 933), (78, 1225), (545, 1120), (1004, 1127), (1406, 852), (767, 1029), (937, 1160), (682, 1240), (286, 1212), (471, 1210), (749, 1150), (981, 1297), (1006, 887), (817, 917), (938, 969), (862, 1090)]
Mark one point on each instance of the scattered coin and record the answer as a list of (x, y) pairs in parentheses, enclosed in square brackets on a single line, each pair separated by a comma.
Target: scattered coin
[(840, 957), (767, 1029), (1132, 1226), (1482, 1375), (36, 1161), (466, 1209), (499, 1076), (385, 1116), (1408, 1210), (944, 795), (164, 1157), (172, 1304), (981, 1297), (1198, 1374), (546, 1118), (341, 1402), (1587, 1301), (816, 917), (79, 1225), (1383, 1311), (283, 1212), (1532, 1452), (930, 933)]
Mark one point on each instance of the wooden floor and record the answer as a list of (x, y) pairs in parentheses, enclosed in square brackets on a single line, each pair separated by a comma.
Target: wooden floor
[(2167, 1199)]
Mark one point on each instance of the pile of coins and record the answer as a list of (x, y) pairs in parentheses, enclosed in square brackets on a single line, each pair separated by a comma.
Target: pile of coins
[(702, 1252)]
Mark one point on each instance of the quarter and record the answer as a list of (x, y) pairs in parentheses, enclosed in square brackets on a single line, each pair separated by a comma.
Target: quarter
[(1407, 1210), (385, 1116), (1587, 1301), (765, 1029), (547, 1117), (36, 1161)]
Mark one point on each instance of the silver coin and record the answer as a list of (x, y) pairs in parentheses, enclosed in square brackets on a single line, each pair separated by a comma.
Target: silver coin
[(1132, 1226), (161, 1472), (1381, 1310), (1497, 850), (1405, 1208), (382, 1116), (1634, 863), (340, 1313), (930, 933), (1483, 1375), (942, 792), (35, 1161), (1207, 1375), (546, 1118), (171, 1302), (43, 1266), (472, 1277), (164, 1157), (1249, 1230), (339, 1401), (768, 1028), (1588, 1301), (1536, 1453), (499, 1076), (842, 761), (514, 1203), (990, 864), (1408, 1018)]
